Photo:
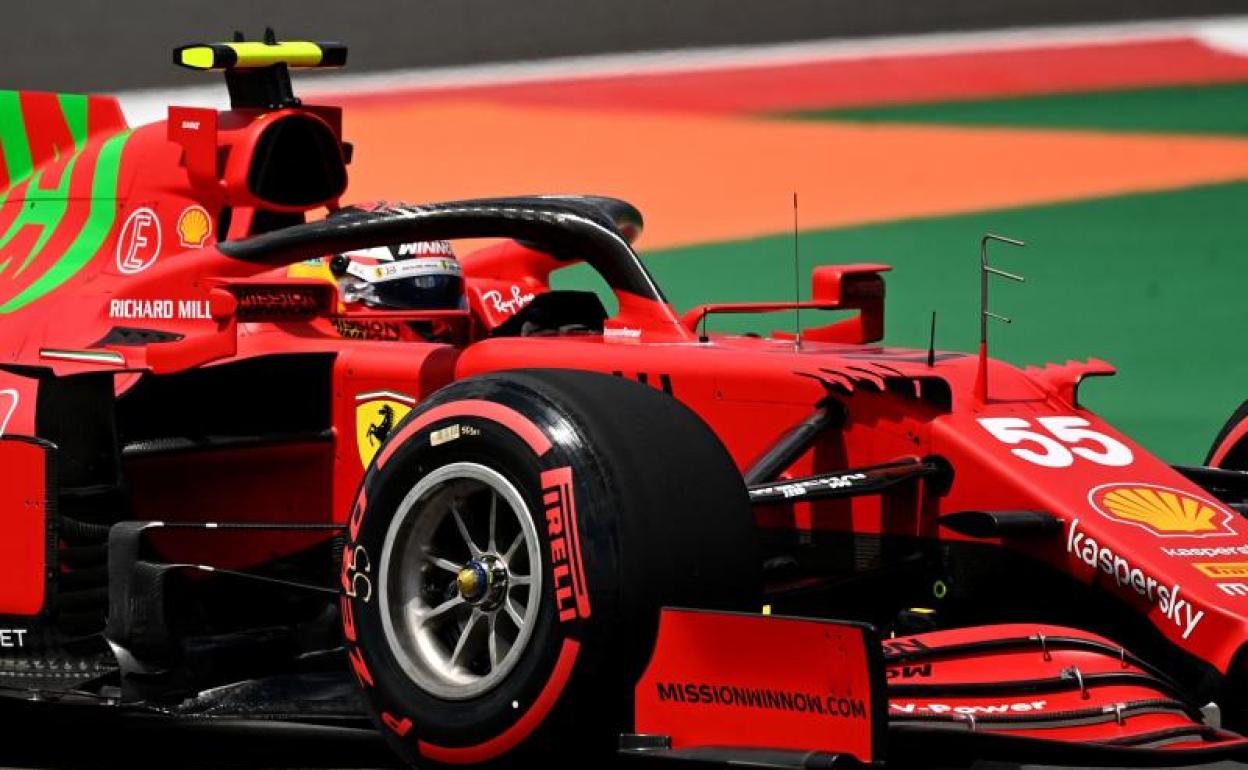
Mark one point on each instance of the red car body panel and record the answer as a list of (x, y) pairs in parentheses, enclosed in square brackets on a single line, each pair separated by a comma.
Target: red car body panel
[(822, 696), (23, 549)]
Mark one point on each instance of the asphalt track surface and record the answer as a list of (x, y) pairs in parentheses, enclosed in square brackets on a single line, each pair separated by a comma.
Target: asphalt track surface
[(38, 737), (106, 45), (85, 738)]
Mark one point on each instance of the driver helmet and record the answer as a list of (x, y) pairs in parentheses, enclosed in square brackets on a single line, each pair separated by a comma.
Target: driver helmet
[(419, 275)]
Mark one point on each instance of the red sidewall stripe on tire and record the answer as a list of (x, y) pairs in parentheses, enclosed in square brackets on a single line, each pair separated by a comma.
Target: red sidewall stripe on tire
[(523, 728), (487, 410), (1228, 443)]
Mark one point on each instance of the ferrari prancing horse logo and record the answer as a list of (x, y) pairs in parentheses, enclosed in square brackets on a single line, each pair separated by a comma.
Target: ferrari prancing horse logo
[(376, 414)]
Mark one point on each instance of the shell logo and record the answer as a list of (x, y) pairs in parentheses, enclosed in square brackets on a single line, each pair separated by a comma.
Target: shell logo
[(194, 227), (1161, 510)]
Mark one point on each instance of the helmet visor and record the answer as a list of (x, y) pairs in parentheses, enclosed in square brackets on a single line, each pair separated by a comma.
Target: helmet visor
[(429, 292)]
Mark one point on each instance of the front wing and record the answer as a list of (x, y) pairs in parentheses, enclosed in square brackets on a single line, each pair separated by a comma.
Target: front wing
[(792, 692)]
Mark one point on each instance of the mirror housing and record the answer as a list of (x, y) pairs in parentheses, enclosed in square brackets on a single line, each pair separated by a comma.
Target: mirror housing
[(850, 287)]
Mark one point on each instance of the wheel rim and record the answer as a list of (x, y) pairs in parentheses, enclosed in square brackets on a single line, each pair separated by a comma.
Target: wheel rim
[(461, 580)]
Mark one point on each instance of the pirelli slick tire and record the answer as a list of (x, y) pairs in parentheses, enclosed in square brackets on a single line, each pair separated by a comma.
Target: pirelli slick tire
[(1230, 447), (509, 552)]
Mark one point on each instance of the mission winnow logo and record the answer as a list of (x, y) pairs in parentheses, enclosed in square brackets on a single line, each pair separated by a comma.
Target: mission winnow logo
[(706, 694)]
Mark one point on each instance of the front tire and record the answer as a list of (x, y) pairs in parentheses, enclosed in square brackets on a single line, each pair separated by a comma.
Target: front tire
[(1230, 448), (510, 550)]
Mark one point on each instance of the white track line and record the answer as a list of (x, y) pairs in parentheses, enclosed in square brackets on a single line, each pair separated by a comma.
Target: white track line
[(1231, 36), (1228, 33)]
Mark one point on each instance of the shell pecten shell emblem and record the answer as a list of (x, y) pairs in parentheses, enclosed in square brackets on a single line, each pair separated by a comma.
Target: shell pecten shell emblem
[(194, 227), (1163, 511)]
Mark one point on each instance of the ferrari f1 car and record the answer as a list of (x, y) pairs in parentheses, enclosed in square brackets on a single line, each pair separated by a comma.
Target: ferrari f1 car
[(550, 526)]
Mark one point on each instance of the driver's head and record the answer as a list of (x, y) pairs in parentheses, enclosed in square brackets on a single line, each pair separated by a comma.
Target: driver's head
[(421, 275)]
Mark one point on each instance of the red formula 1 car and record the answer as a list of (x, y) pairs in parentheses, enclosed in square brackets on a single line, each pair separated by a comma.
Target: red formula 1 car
[(225, 493)]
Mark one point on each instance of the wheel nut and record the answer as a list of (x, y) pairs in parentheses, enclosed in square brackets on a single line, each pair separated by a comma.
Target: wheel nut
[(473, 582)]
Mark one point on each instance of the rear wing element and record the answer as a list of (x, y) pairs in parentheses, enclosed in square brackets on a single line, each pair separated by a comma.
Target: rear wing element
[(737, 687)]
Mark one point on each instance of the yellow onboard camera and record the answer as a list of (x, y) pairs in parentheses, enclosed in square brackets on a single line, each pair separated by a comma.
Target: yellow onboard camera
[(254, 55), (257, 74)]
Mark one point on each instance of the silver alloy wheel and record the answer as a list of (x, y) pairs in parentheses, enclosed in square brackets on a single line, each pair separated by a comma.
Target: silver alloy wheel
[(460, 580)]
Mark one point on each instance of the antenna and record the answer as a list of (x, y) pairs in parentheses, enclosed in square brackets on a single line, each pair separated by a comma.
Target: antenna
[(797, 282), (985, 270), (931, 343)]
